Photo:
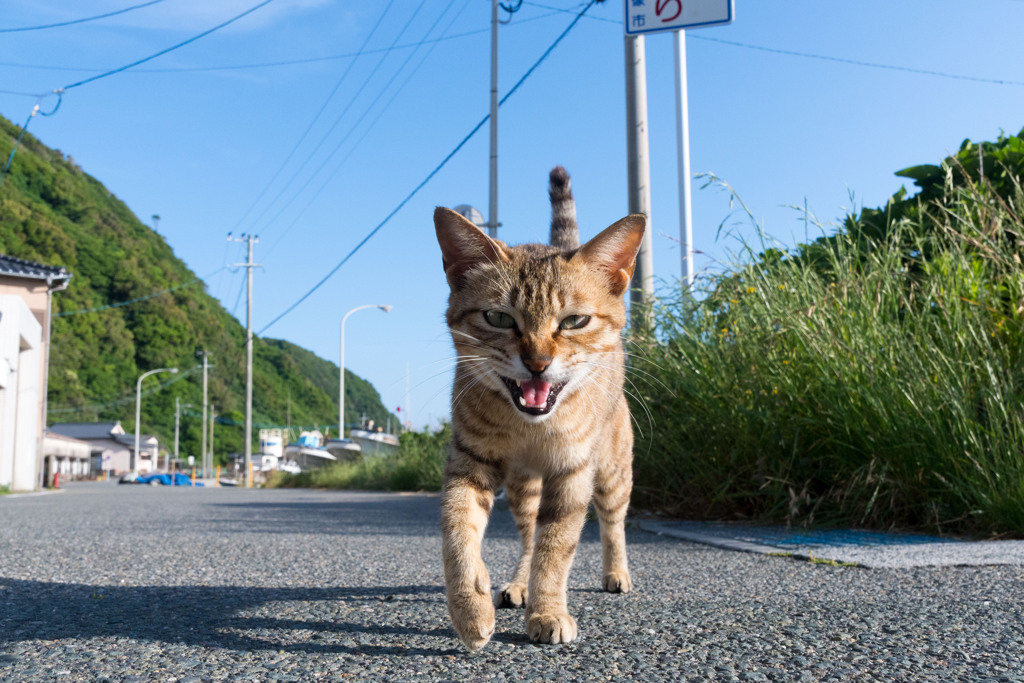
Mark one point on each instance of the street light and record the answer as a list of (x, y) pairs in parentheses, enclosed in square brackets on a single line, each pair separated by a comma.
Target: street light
[(341, 389), (138, 411)]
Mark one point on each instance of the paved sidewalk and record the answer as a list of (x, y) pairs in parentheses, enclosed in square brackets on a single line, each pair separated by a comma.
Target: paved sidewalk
[(871, 549)]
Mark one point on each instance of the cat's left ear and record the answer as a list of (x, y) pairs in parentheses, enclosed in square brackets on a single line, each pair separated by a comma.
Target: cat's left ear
[(614, 250), (463, 245)]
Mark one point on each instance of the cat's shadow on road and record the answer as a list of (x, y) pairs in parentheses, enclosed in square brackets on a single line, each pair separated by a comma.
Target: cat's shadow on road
[(378, 620)]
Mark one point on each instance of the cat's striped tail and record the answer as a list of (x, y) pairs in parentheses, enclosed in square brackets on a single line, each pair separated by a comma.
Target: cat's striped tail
[(565, 233)]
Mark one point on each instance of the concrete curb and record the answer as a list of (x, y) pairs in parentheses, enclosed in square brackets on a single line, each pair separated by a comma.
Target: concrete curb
[(873, 550)]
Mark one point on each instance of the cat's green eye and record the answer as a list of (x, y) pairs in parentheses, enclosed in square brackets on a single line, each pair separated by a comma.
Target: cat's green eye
[(574, 322), (500, 319)]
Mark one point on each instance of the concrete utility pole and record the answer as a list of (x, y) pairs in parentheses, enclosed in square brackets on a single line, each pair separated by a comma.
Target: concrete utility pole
[(206, 367), (642, 286), (213, 419), (248, 353), (492, 219), (177, 426)]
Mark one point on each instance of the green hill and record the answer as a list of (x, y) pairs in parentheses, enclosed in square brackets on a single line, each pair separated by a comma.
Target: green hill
[(53, 213)]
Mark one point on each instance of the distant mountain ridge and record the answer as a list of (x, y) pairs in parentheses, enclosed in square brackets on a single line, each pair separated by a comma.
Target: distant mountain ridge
[(53, 213)]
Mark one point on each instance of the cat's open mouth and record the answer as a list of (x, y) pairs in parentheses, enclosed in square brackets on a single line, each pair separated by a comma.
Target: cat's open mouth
[(533, 396)]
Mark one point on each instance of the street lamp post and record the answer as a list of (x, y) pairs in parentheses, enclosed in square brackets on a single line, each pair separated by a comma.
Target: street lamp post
[(341, 362), (138, 412)]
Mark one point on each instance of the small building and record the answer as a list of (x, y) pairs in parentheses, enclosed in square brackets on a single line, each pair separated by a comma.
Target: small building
[(71, 458), (111, 447), (26, 290)]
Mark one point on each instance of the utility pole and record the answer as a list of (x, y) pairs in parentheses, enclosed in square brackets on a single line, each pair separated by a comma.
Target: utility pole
[(492, 219), (248, 353), (206, 398), (177, 426), (642, 285), (213, 419)]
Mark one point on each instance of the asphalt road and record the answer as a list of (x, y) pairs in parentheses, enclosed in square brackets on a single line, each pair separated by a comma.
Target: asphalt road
[(133, 583)]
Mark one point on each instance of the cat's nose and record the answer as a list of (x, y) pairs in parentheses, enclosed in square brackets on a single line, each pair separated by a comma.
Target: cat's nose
[(536, 364)]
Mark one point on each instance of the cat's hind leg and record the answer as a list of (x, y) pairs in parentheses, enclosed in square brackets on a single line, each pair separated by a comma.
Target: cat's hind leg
[(465, 507), (523, 500), (612, 486)]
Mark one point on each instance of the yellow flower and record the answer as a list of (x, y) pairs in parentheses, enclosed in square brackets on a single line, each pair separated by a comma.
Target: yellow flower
[(750, 290), (735, 301), (785, 362), (775, 392)]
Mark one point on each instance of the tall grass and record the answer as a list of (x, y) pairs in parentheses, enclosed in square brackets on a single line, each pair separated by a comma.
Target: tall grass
[(417, 465), (874, 378)]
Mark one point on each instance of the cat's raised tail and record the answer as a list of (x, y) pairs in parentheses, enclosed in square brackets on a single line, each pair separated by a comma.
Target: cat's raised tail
[(565, 233)]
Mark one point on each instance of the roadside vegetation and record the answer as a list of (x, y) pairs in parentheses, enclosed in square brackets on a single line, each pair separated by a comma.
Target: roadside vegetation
[(416, 465), (872, 378)]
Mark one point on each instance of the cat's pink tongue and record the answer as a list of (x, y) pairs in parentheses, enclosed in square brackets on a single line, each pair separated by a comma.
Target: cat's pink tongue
[(535, 392)]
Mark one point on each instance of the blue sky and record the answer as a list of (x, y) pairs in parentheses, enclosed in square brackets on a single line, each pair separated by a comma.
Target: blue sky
[(809, 101)]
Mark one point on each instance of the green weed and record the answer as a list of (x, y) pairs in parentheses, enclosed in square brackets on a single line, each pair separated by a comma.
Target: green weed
[(872, 378)]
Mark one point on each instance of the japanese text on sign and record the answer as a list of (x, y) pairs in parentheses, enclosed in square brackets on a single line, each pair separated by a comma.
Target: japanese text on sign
[(650, 16)]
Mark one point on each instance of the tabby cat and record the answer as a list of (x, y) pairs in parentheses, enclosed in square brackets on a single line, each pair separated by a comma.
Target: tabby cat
[(537, 407)]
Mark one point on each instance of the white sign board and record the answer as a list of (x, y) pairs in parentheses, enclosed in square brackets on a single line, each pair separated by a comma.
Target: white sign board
[(653, 16)]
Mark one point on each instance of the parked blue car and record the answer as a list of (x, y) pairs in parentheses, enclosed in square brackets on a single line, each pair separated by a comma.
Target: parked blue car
[(163, 479)]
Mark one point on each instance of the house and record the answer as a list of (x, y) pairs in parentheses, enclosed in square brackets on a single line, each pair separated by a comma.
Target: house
[(71, 458), (26, 290), (110, 447)]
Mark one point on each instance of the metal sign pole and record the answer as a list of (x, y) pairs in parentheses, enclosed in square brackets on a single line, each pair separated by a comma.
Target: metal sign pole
[(683, 158)]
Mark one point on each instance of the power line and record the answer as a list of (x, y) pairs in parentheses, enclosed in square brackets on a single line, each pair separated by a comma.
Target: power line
[(80, 21), (347, 134), (370, 127), (136, 300), (857, 62), (434, 172), (169, 49), (337, 120), (24, 129), (126, 399), (317, 116), (59, 92), (285, 62), (808, 55)]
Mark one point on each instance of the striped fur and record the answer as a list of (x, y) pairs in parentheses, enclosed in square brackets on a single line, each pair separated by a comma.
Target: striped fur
[(537, 407), (565, 233)]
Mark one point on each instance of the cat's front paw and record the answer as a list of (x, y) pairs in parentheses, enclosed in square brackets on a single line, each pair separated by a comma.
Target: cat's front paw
[(617, 582), (551, 628), (511, 595), (473, 613)]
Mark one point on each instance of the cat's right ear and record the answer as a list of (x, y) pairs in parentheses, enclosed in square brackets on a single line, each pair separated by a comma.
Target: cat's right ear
[(463, 245)]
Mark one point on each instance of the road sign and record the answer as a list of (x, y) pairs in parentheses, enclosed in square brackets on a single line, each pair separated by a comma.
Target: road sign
[(653, 16)]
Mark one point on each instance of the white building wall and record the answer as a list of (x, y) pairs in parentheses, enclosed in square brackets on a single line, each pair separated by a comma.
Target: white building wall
[(20, 393)]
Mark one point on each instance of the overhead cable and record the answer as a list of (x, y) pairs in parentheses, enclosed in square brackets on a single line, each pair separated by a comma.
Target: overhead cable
[(169, 49), (80, 21), (284, 62), (857, 62), (136, 300), (434, 172), (59, 92), (330, 130), (127, 399), (302, 138), (350, 130), (366, 131)]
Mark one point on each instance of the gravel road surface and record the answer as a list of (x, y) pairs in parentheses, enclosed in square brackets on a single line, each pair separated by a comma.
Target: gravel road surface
[(135, 583)]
